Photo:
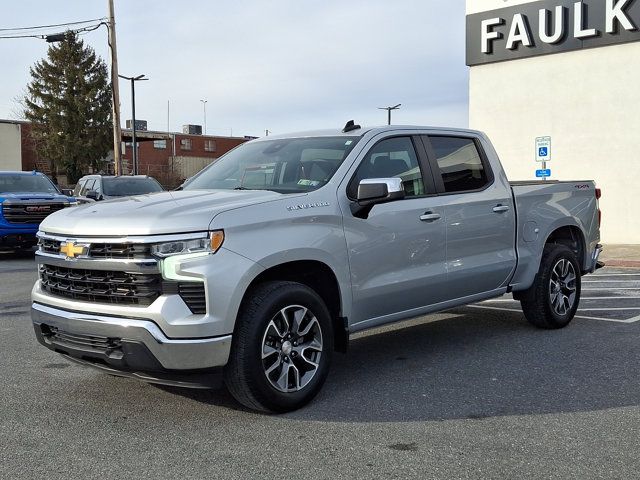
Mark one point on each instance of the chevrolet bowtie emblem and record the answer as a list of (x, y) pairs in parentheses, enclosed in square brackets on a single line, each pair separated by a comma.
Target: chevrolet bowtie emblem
[(70, 249)]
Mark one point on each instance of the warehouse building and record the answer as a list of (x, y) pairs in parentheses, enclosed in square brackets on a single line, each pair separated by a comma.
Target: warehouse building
[(568, 70)]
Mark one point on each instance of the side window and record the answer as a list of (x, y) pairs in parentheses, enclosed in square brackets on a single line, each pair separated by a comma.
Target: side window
[(459, 163), (98, 185), (87, 186), (394, 157), (78, 189)]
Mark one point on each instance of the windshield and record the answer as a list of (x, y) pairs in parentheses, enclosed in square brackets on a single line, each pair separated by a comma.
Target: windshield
[(125, 186), (15, 183), (290, 165)]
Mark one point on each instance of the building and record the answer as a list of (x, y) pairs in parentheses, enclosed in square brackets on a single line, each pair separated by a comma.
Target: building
[(169, 156), (569, 70), (172, 157), (17, 151)]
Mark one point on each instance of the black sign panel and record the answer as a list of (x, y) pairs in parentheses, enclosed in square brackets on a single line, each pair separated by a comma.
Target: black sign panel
[(550, 26)]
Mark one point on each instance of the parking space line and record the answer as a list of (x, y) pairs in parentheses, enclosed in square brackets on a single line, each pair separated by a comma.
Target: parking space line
[(617, 288), (578, 315), (582, 298), (610, 281)]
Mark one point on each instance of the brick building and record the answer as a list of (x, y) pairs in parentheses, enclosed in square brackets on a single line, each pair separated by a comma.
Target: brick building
[(171, 156), (168, 156)]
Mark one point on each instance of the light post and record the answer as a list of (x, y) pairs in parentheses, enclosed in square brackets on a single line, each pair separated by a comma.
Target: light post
[(389, 109), (204, 110), (133, 119)]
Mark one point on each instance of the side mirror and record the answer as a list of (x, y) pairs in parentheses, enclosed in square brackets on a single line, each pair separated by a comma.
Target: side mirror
[(93, 195), (373, 191), (67, 192)]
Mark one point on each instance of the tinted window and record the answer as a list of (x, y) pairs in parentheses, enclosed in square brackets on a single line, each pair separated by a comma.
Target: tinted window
[(21, 183), (125, 186), (394, 157), (79, 186), (283, 165), (459, 163), (88, 185)]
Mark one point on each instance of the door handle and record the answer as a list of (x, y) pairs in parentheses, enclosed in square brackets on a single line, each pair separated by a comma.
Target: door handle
[(430, 217), (501, 208)]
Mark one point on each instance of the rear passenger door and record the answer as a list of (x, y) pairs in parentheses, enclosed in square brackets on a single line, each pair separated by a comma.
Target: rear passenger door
[(480, 216)]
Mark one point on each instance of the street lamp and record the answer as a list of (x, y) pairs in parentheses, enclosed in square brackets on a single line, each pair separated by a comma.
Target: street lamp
[(204, 109), (133, 81), (388, 109)]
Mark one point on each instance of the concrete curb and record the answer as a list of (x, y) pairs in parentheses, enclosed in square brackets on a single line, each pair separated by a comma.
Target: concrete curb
[(622, 263)]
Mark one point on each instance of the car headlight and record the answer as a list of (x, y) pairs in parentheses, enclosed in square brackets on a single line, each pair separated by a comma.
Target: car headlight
[(209, 244)]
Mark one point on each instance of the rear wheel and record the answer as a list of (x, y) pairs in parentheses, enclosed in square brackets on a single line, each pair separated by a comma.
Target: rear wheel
[(552, 301), (281, 348)]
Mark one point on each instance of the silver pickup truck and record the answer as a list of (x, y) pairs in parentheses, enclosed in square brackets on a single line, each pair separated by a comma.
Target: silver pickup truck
[(263, 264)]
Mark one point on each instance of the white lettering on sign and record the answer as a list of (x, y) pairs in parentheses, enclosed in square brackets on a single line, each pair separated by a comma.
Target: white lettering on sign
[(579, 28), (519, 33), (488, 34), (558, 30), (615, 12)]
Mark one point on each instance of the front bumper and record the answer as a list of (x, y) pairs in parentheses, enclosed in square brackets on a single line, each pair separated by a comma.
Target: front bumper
[(125, 344)]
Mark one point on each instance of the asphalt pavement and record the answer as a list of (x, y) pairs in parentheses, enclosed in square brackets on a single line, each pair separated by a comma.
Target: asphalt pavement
[(471, 393)]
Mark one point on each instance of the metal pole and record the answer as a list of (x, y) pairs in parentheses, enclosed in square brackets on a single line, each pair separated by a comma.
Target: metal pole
[(133, 126), (204, 110), (117, 134), (389, 117)]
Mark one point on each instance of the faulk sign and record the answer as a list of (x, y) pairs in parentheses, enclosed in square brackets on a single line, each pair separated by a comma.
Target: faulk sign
[(544, 27)]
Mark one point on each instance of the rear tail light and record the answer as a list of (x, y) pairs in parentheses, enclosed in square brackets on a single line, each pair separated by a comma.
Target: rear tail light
[(598, 193)]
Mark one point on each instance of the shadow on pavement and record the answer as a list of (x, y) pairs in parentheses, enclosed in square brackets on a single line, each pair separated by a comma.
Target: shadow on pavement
[(473, 366)]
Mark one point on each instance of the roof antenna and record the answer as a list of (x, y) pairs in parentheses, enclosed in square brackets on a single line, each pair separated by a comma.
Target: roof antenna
[(350, 126)]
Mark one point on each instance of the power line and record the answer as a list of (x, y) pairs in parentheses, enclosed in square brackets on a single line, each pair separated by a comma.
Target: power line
[(51, 26), (89, 28)]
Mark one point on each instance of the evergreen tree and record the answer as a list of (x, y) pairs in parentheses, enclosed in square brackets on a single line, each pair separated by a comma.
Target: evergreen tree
[(68, 102)]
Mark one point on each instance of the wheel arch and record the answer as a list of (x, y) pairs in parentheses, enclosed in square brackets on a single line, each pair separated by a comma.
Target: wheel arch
[(321, 278)]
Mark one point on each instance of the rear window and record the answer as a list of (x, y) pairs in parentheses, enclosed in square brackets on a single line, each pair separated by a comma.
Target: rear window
[(459, 163), (124, 186), (17, 183)]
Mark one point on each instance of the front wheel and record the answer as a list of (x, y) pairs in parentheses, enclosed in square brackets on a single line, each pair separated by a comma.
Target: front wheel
[(552, 301), (281, 348)]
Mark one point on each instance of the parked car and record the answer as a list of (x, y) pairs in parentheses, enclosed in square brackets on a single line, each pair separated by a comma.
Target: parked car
[(26, 199), (267, 260), (105, 187)]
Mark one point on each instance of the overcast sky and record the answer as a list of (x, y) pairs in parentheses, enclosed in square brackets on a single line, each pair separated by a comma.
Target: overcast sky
[(284, 65)]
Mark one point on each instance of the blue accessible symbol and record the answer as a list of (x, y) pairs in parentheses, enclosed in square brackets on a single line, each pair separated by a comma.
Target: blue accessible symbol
[(543, 152)]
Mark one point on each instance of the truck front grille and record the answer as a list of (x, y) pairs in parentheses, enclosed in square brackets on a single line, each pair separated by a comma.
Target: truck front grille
[(29, 212), (108, 251), (101, 286)]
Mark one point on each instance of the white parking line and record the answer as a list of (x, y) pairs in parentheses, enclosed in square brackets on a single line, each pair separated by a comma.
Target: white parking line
[(610, 288), (582, 298), (615, 275), (610, 281), (613, 320)]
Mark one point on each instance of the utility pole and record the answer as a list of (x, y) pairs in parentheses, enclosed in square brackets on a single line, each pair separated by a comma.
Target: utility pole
[(117, 134), (267, 132), (204, 109), (389, 109), (133, 120)]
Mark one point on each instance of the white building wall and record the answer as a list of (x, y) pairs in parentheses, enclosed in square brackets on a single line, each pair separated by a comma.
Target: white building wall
[(10, 146), (588, 101)]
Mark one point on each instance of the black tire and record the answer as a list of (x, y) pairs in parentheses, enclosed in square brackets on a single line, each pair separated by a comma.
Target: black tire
[(538, 301), (245, 373)]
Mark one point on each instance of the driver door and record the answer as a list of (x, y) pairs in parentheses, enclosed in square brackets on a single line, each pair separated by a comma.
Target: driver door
[(396, 254)]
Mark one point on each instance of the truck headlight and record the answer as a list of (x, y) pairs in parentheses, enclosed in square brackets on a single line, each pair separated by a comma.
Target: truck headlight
[(209, 244)]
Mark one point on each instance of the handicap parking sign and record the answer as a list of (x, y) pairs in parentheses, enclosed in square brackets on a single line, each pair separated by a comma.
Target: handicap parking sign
[(543, 149)]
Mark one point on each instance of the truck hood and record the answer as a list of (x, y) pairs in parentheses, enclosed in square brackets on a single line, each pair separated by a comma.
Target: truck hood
[(158, 213), (33, 196)]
